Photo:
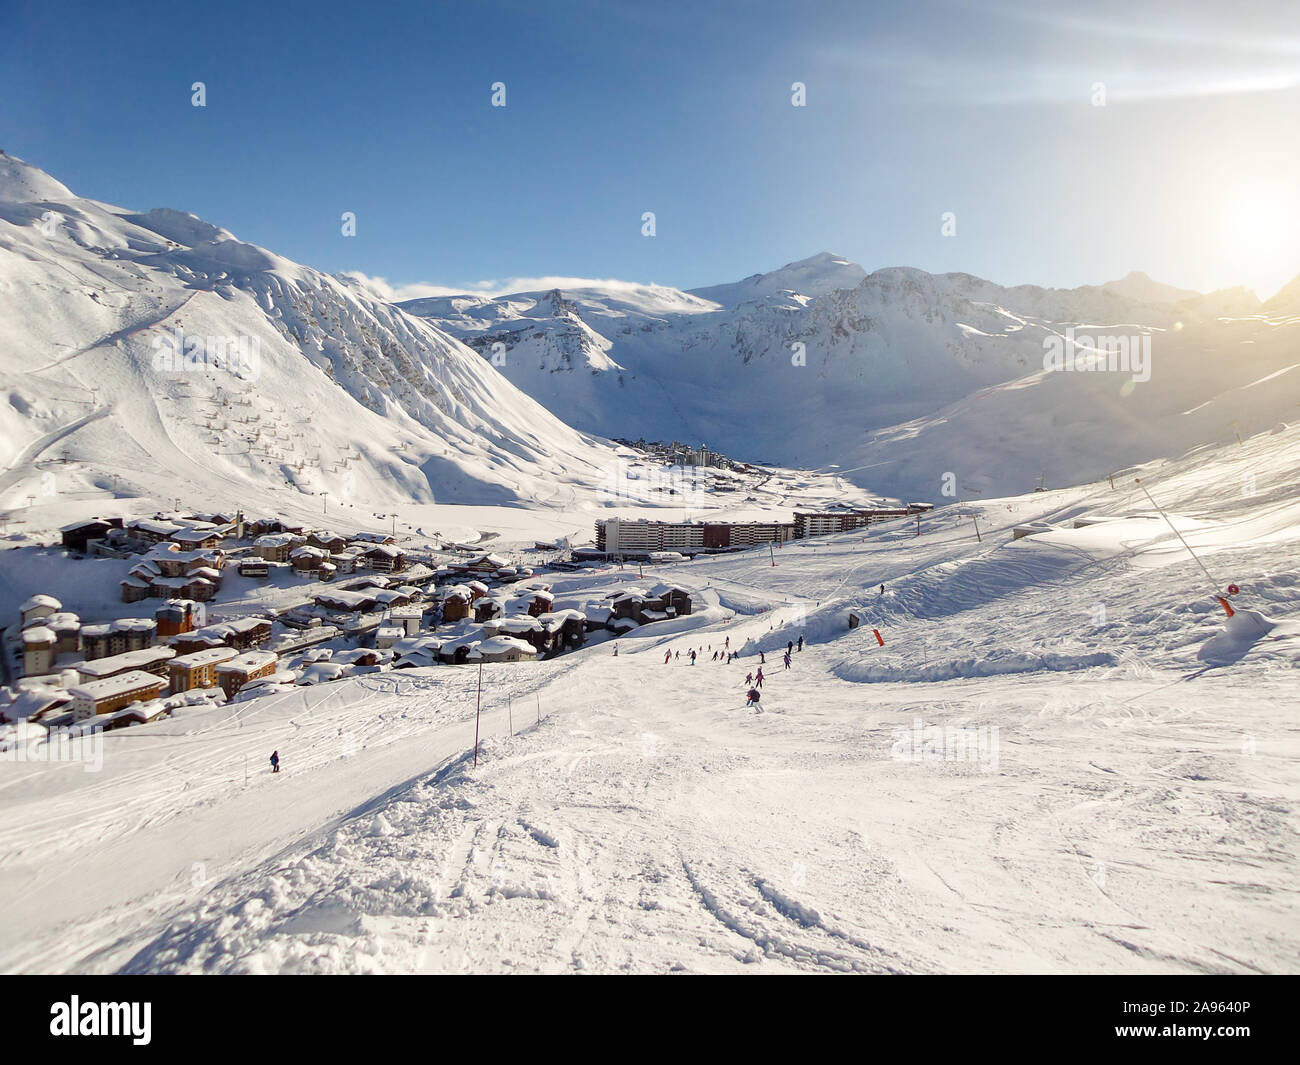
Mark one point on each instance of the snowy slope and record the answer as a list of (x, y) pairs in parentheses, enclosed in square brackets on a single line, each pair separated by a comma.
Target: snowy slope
[(1135, 810), (332, 391), (882, 354)]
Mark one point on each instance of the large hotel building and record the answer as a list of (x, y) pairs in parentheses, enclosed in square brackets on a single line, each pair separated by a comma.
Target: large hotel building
[(617, 536)]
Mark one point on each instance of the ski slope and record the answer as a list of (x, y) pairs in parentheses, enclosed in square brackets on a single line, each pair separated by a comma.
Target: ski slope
[(1134, 812)]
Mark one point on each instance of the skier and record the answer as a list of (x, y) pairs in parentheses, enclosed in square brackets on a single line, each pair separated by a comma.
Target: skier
[(692, 656), (882, 589), (762, 658), (615, 650), (749, 679), (787, 660), (727, 643), (801, 643), (758, 680), (789, 647), (275, 761), (677, 654), (668, 657), (752, 698)]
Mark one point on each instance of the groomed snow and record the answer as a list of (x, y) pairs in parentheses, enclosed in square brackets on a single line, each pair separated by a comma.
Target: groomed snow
[(1134, 811)]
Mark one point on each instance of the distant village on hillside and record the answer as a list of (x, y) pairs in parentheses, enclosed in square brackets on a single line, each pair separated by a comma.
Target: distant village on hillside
[(354, 604)]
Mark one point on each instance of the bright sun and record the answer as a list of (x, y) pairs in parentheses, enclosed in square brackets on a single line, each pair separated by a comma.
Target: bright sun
[(1258, 223)]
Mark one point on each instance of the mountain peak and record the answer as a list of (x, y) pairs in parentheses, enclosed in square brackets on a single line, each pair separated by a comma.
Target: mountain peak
[(815, 276), (1138, 285), (20, 182)]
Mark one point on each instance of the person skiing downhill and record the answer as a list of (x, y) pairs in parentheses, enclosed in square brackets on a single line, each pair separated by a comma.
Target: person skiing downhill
[(275, 761), (787, 660), (749, 679), (692, 656), (758, 680), (801, 643), (762, 658), (668, 656), (789, 647), (753, 697)]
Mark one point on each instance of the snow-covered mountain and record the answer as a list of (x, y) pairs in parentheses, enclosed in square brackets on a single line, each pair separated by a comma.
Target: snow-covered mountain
[(157, 354), (887, 374), (308, 384), (815, 276)]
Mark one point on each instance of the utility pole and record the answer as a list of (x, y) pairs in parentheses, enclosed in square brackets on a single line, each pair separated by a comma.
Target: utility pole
[(478, 710), (975, 518)]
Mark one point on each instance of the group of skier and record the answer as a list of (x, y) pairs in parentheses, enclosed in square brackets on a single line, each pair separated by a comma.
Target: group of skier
[(753, 681)]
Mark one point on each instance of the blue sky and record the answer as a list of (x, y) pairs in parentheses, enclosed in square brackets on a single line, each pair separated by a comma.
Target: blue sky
[(1189, 171)]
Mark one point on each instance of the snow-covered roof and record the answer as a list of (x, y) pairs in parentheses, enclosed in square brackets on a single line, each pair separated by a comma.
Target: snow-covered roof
[(144, 712), (556, 618), (39, 634), (276, 540), (73, 526), (342, 597), (120, 684), (158, 528), (41, 600), (29, 701), (517, 624), (499, 644), (247, 662), (209, 656), (127, 660)]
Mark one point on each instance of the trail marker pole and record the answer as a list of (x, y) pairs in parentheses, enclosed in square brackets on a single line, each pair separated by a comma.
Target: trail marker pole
[(478, 709), (976, 520), (771, 554)]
